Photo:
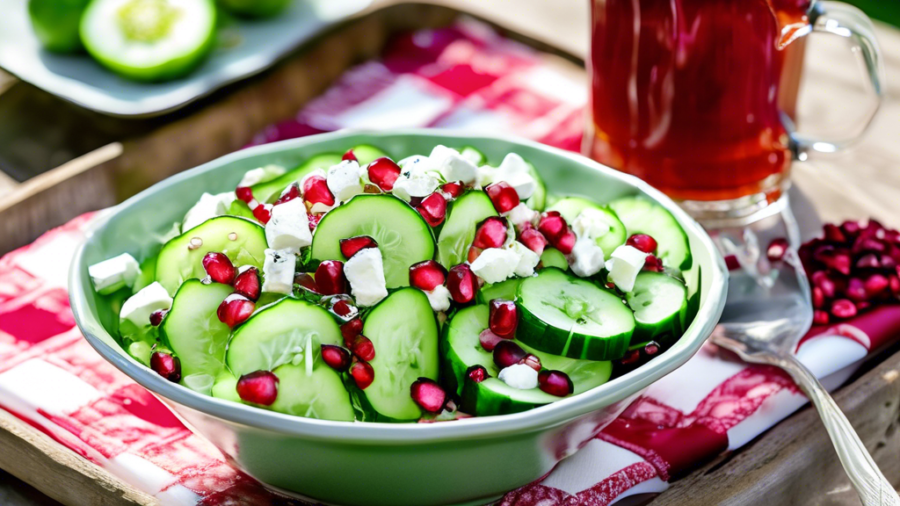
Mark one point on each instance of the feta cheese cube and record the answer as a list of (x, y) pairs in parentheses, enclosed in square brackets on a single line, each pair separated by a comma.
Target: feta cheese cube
[(522, 214), (624, 265), (412, 163), (209, 206), (288, 228), (261, 175), (343, 180), (138, 307), (452, 165), (590, 223), (519, 376), (516, 172), (365, 272), (417, 184), (278, 271), (114, 273), (528, 259), (439, 298), (484, 176), (495, 264), (586, 258)]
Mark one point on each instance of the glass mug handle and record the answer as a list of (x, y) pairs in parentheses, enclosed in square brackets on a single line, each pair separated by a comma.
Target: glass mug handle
[(844, 20)]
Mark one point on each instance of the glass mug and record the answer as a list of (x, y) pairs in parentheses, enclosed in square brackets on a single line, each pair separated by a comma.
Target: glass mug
[(697, 97)]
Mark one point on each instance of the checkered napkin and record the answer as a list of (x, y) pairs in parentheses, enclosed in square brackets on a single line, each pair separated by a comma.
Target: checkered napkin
[(465, 76)]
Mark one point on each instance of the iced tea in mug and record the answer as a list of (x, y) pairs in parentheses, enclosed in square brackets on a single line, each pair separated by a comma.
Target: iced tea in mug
[(696, 96)]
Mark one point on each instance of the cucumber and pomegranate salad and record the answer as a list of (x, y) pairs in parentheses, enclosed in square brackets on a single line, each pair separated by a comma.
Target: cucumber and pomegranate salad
[(359, 287)]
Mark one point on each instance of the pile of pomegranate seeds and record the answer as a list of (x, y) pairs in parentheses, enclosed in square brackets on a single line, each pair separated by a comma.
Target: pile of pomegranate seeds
[(260, 387), (557, 231), (852, 268), (167, 366)]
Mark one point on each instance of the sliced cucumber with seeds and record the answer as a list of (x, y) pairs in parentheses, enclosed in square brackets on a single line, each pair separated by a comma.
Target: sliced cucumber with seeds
[(568, 316), (181, 259), (462, 349), (641, 216), (506, 290), (288, 331), (403, 236), (318, 395), (660, 303), (269, 191), (552, 257), (193, 331), (404, 331), (458, 232), (570, 207)]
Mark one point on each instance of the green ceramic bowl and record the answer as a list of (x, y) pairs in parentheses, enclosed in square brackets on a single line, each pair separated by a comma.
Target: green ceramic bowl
[(470, 461)]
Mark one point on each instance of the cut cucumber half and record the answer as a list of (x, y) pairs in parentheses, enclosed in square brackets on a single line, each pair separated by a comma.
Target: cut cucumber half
[(281, 333), (507, 290), (269, 191), (149, 40), (403, 236), (552, 257), (660, 303), (641, 216), (318, 395), (462, 350), (568, 316), (180, 259), (458, 232), (404, 331), (570, 207), (193, 331)]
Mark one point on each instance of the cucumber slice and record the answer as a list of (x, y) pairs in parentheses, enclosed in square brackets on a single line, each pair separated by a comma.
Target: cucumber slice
[(225, 387), (552, 257), (149, 40), (405, 334), (279, 334), (192, 330), (269, 191), (568, 316), (403, 236), (240, 209), (366, 154), (570, 207), (147, 275), (55, 23), (641, 216), (659, 303), (242, 241), (458, 232), (473, 155), (462, 350), (318, 395), (507, 290), (255, 8), (538, 199)]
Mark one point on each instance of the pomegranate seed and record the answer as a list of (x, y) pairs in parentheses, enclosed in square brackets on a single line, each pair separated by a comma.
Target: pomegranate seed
[(642, 242), (565, 242), (167, 366), (330, 278), (427, 275), (653, 264), (631, 357), (821, 280), (477, 373), (306, 282), (461, 283), (777, 248), (843, 308), (314, 220), (503, 196), (433, 208), (488, 339), (415, 201), (731, 262), (820, 317), (235, 310), (507, 353), (833, 233), (363, 348), (894, 283), (156, 317), (818, 298), (552, 225), (263, 213), (473, 254), (534, 240), (850, 228), (384, 172), (350, 330), (344, 309), (868, 261), (876, 284), (244, 194), (862, 306), (349, 156), (491, 233), (315, 191), (259, 387), (350, 246), (428, 395), (868, 244), (363, 374), (555, 383), (856, 290), (887, 262), (651, 349), (532, 361), (247, 283), (292, 192), (219, 267), (504, 318), (453, 189), (337, 357)]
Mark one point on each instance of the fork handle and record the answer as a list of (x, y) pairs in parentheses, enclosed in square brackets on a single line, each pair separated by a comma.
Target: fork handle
[(871, 486)]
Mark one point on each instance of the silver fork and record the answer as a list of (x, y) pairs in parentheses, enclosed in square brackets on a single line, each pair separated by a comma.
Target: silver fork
[(767, 311)]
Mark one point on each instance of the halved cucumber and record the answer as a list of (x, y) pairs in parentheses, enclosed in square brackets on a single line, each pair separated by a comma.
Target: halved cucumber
[(552, 257), (570, 207), (318, 395), (462, 350), (507, 290), (568, 316), (193, 331), (458, 232), (641, 216), (180, 259), (269, 191), (660, 303), (281, 333), (404, 331), (403, 236)]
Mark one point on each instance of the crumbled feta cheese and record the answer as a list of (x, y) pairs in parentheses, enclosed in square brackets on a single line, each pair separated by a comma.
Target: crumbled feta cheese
[(416, 184), (313, 173), (288, 228), (117, 272), (495, 264), (138, 307), (485, 176), (528, 259), (365, 272), (624, 265), (522, 214), (409, 163), (519, 376), (439, 298), (261, 175), (586, 258), (343, 180), (209, 206), (590, 223), (278, 271), (452, 165), (516, 172)]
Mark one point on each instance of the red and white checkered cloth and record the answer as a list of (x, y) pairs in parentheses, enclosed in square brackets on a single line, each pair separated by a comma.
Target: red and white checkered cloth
[(465, 76)]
